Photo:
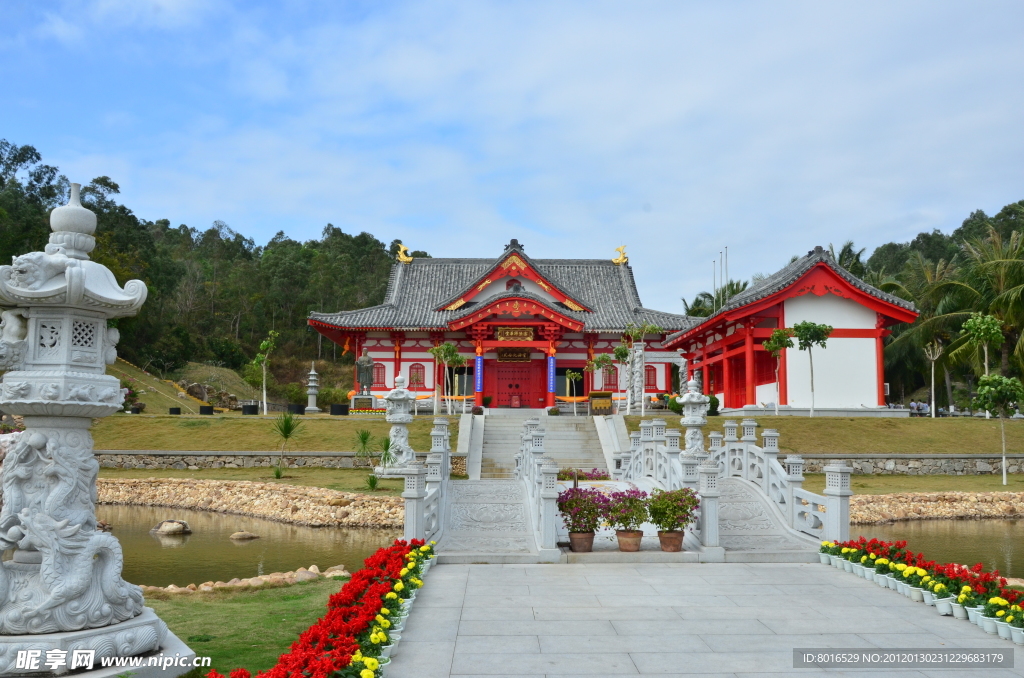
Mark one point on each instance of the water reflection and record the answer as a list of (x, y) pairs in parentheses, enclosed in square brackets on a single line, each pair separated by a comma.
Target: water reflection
[(998, 544), (209, 555)]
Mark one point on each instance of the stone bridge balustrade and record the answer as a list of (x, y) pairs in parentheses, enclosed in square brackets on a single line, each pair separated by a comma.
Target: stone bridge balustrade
[(426, 486)]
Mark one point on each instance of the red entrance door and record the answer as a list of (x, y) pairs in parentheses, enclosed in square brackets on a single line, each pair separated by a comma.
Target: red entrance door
[(515, 385)]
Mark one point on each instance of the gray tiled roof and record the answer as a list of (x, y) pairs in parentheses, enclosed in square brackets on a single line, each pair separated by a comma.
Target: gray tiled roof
[(416, 289), (788, 275)]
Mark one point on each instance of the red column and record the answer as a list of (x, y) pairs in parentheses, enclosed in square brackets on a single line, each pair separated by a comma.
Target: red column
[(726, 382), (880, 368), (748, 366)]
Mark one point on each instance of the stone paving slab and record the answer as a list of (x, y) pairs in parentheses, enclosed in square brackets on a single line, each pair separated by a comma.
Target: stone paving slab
[(667, 619)]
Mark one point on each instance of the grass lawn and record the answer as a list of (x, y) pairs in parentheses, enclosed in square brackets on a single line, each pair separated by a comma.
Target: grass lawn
[(159, 394), (344, 479), (244, 629), (234, 433), (864, 484), (867, 435)]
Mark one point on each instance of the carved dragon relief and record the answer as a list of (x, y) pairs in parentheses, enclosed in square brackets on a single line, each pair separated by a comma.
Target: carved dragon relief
[(78, 583)]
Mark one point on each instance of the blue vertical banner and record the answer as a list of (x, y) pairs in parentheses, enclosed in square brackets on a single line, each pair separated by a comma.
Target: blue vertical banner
[(478, 374), (551, 374)]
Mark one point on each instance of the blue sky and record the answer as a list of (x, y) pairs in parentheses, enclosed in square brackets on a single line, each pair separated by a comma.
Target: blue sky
[(674, 128)]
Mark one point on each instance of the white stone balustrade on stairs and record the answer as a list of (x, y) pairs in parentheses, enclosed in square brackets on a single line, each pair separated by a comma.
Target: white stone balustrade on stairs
[(426, 486), (539, 475)]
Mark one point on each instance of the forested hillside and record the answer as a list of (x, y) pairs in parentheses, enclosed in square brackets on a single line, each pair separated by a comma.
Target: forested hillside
[(213, 293)]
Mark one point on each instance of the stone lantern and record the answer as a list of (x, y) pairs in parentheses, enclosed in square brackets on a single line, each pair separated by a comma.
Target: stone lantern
[(695, 407), (312, 390), (62, 590)]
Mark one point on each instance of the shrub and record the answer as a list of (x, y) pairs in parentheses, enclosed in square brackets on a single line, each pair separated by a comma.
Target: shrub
[(593, 474), (627, 510), (673, 510), (487, 401), (478, 410), (712, 406), (582, 508), (554, 412), (674, 405)]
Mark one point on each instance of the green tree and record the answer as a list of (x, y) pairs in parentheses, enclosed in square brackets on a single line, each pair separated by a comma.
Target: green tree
[(1000, 394), (809, 334), (262, 359), (982, 331), (571, 377), (780, 339), (849, 258), (447, 354)]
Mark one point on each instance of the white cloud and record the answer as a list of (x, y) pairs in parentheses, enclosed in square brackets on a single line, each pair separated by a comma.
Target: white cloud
[(455, 126)]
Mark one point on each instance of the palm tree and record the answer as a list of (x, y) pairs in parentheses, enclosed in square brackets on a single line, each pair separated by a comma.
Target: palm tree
[(706, 303), (849, 258)]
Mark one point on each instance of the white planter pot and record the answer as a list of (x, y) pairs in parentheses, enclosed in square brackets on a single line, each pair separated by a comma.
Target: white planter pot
[(836, 561), (944, 606), (882, 580), (973, 615), (989, 624), (959, 611), (824, 558), (869, 574), (916, 594), (1003, 629), (929, 597), (892, 583), (848, 566), (901, 586), (1017, 635)]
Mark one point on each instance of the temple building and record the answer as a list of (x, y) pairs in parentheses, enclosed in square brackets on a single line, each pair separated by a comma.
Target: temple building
[(520, 323), (849, 376)]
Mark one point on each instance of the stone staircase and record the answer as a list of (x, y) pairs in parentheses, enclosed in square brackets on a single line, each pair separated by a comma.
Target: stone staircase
[(571, 441)]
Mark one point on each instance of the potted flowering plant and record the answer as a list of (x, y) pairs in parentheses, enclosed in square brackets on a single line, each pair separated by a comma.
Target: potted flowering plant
[(995, 610), (626, 512), (582, 510), (826, 548), (671, 512), (1016, 621)]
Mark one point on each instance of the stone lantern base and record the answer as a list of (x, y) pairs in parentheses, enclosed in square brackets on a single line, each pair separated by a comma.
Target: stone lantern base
[(145, 637)]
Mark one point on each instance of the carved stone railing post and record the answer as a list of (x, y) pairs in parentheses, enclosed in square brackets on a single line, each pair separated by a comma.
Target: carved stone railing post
[(535, 460), (795, 476), (672, 453), (748, 441), (440, 444), (62, 585), (709, 496), (548, 506), (414, 494), (837, 502)]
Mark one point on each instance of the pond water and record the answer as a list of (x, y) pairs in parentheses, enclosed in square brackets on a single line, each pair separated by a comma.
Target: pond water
[(208, 555), (998, 544)]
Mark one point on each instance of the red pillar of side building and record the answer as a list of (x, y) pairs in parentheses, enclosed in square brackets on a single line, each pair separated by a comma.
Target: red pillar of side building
[(748, 367), (726, 383), (880, 367)]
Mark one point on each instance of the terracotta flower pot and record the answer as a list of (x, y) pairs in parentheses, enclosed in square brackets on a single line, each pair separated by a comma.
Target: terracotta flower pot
[(581, 542), (629, 540), (671, 541)]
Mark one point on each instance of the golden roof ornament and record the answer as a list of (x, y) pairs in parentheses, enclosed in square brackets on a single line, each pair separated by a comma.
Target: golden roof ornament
[(622, 258), (403, 254)]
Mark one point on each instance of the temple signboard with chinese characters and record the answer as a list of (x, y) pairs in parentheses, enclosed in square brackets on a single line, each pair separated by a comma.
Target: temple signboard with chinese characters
[(515, 334)]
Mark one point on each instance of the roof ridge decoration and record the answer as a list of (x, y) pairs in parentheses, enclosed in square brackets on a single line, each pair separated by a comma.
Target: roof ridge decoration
[(515, 304), (515, 263)]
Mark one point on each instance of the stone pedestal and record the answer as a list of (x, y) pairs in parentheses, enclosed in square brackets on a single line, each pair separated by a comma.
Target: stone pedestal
[(364, 403), (64, 578)]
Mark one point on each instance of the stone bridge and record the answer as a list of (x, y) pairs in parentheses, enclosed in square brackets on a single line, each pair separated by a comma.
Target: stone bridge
[(753, 507)]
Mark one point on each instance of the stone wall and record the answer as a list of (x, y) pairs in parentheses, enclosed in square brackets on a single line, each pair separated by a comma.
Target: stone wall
[(160, 459), (916, 464)]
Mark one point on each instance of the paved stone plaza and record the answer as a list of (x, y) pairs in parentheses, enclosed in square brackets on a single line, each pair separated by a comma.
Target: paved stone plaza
[(614, 620)]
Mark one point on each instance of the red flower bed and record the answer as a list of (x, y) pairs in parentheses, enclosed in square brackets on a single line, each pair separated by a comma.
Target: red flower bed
[(952, 575), (356, 620)]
